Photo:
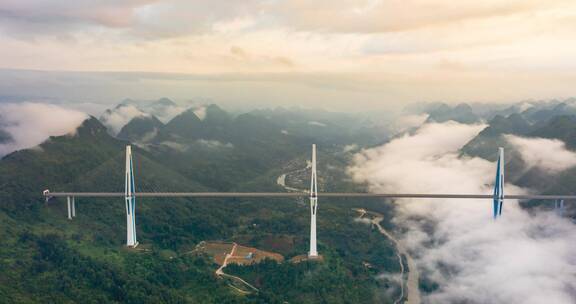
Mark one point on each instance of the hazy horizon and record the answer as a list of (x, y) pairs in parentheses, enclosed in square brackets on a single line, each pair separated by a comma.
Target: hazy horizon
[(377, 54)]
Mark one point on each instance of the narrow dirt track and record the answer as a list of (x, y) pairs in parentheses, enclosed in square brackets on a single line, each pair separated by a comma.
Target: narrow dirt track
[(220, 272), (413, 292)]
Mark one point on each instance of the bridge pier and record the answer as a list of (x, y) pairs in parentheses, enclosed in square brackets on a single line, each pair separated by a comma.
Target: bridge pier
[(313, 253), (559, 207), (71, 207)]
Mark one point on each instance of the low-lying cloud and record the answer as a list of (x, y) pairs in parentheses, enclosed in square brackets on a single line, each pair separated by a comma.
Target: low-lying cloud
[(406, 122), (29, 124), (115, 119), (164, 111), (520, 258), (548, 154), (118, 117), (175, 146), (214, 144), (200, 113), (316, 123)]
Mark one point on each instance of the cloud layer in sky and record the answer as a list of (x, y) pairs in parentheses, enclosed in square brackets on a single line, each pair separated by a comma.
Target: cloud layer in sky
[(385, 51), (520, 258)]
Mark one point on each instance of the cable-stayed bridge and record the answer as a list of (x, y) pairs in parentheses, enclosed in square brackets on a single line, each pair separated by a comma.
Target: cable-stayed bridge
[(130, 196), (307, 194)]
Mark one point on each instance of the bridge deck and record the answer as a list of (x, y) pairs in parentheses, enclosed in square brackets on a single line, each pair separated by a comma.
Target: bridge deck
[(304, 194)]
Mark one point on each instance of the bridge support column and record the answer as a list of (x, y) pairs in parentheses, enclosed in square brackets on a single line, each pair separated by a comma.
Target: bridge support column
[(499, 185), (69, 207), (130, 201), (73, 207), (559, 207), (313, 253)]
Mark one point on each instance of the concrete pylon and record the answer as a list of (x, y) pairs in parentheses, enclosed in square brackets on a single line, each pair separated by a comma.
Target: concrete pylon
[(73, 207), (69, 204), (499, 185), (313, 253), (559, 207), (130, 201)]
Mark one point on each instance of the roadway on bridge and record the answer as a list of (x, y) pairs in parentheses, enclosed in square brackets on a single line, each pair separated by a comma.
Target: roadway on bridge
[(306, 194)]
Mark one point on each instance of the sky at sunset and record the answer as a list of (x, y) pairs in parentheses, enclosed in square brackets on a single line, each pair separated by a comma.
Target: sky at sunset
[(329, 53)]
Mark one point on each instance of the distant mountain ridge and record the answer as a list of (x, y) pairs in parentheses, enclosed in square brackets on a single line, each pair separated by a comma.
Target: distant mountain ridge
[(533, 111), (461, 113), (141, 129), (486, 143), (204, 137), (552, 119), (117, 117)]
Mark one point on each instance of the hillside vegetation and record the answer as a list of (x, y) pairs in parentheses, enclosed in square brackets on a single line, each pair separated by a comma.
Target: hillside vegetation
[(46, 258)]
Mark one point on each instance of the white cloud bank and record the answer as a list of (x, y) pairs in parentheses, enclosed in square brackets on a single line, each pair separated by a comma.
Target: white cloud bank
[(163, 109), (118, 117), (316, 123), (200, 113), (115, 119), (214, 144), (29, 124), (548, 154), (519, 258), (406, 122)]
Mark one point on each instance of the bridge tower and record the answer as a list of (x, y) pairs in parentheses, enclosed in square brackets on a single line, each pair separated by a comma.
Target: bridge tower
[(559, 207), (499, 185), (313, 206), (71, 207), (130, 201)]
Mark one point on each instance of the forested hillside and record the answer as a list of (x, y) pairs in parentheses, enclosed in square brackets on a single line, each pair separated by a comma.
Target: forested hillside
[(46, 258)]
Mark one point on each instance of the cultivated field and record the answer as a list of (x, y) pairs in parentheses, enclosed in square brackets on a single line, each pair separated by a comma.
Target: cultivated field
[(216, 250), (242, 255)]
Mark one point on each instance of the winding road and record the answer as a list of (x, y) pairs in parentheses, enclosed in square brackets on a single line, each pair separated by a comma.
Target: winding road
[(413, 292), (220, 272), (281, 180)]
